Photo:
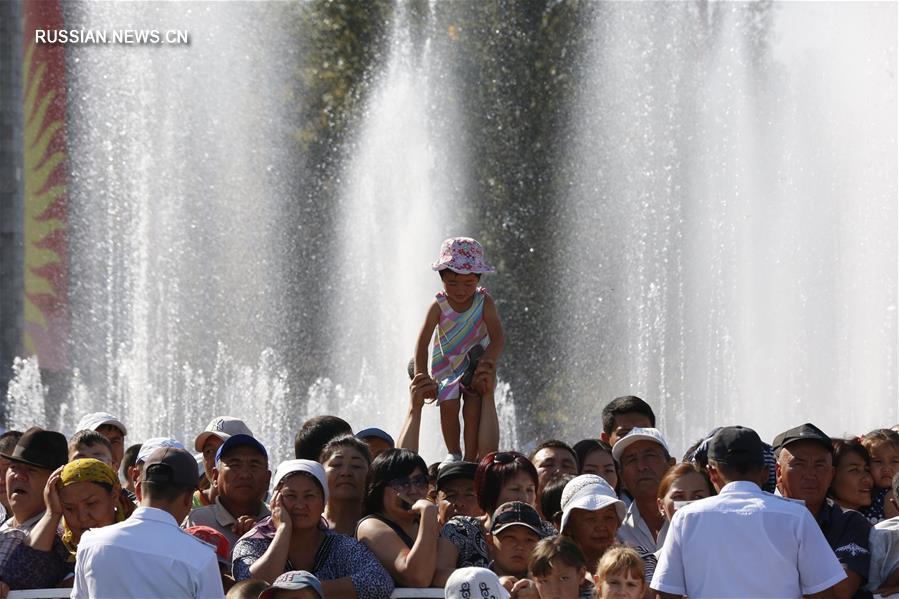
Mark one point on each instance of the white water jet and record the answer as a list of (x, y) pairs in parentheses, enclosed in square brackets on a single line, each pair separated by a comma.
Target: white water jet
[(733, 227), (396, 208)]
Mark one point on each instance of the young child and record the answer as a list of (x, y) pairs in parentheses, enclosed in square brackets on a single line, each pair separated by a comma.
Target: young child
[(515, 530), (467, 325), (619, 574), (883, 446), (90, 444), (559, 569)]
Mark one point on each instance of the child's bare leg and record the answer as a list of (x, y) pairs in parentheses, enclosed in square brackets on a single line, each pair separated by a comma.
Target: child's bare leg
[(449, 424), (488, 429), (471, 418)]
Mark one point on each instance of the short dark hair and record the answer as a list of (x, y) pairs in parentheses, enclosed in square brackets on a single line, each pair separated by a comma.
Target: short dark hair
[(389, 465), (732, 472), (347, 440), (315, 434), (163, 491), (548, 551), (625, 404), (556, 444), (88, 438), (587, 446), (8, 441), (494, 470), (249, 588), (130, 458), (551, 500)]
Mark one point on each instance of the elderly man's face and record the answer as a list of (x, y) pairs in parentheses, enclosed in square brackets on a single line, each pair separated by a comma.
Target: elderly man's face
[(25, 489), (643, 464), (805, 471), (242, 475)]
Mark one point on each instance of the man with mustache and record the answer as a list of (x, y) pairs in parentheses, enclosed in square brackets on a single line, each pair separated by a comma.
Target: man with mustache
[(241, 477), (36, 455)]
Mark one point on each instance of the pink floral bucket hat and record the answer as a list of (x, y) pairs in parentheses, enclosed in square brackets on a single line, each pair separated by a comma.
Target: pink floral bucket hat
[(462, 255)]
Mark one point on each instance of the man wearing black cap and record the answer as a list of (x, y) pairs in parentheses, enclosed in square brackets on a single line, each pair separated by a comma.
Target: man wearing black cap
[(36, 455), (805, 471), (455, 491), (148, 555), (744, 542)]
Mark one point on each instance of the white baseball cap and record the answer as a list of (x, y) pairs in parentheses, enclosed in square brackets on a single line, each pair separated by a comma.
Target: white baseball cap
[(222, 427), (466, 583), (94, 420), (589, 492), (638, 434), (306, 466)]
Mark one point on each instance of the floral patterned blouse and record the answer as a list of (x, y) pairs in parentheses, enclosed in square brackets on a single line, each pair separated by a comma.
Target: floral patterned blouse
[(338, 556)]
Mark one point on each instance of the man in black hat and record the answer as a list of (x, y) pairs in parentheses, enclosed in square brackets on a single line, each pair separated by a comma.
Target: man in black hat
[(721, 546), (36, 455), (805, 471), (455, 491), (148, 555)]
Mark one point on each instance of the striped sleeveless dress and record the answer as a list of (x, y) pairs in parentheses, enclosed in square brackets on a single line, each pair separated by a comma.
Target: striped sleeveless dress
[(455, 335)]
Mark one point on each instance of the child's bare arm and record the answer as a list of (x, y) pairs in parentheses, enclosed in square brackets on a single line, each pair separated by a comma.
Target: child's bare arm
[(424, 338), (494, 329)]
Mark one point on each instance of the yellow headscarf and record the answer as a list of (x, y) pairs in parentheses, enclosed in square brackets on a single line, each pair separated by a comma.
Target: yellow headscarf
[(93, 471)]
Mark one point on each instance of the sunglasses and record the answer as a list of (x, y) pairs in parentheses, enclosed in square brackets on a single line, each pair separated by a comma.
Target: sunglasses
[(407, 482)]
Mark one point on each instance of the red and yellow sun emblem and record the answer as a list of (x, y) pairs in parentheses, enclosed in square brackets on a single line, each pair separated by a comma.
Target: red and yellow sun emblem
[(45, 198)]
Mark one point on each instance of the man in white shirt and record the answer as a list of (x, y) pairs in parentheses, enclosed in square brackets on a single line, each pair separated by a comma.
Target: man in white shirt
[(148, 555), (744, 542)]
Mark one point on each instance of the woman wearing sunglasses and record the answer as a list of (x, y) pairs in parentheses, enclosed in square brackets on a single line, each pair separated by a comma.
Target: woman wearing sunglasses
[(401, 527)]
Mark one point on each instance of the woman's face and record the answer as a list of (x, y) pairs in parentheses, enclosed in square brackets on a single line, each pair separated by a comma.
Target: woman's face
[(600, 462), (689, 487), (593, 530), (345, 471), (519, 487), (87, 505), (852, 482), (400, 493), (304, 500)]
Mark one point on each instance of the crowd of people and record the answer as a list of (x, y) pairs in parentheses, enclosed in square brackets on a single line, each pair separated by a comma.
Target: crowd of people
[(358, 515)]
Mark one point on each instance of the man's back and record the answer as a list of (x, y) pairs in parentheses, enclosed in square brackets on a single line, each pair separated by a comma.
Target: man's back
[(147, 555), (745, 543)]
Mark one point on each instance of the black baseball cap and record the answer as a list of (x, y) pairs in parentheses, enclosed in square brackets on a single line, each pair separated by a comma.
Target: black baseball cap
[(455, 470), (516, 513), (172, 466), (803, 432), (737, 446)]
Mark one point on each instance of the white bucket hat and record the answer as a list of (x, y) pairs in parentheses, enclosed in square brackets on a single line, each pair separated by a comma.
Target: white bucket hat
[(589, 492), (638, 434)]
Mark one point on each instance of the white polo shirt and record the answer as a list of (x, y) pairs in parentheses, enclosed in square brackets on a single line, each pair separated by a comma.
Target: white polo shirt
[(744, 542), (145, 556)]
